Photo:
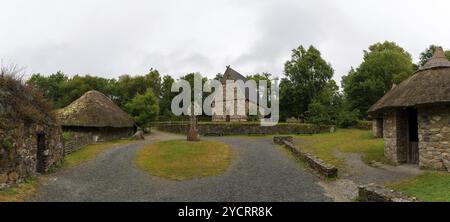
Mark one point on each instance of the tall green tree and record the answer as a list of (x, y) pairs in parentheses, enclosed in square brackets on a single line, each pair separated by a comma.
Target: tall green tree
[(307, 73), (143, 107), (166, 97), (384, 64)]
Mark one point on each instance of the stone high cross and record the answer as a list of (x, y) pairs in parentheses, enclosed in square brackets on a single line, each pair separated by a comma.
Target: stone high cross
[(193, 132)]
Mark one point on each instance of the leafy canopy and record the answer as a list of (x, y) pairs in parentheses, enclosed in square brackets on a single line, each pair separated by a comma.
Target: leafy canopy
[(384, 64)]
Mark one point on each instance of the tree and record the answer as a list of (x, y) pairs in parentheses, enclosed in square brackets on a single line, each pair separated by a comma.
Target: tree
[(153, 80), (52, 86), (166, 97), (428, 53), (324, 109), (383, 65), (143, 107), (306, 75), (219, 76)]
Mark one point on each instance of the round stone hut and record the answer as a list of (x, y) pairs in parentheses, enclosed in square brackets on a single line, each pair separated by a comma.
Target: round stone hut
[(414, 117), (92, 118), (30, 139)]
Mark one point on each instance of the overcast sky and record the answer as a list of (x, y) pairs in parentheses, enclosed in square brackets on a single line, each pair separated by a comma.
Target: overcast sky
[(113, 37)]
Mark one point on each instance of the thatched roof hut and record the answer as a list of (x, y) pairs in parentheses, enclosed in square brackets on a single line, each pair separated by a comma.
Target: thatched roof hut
[(414, 117), (430, 84), (94, 109)]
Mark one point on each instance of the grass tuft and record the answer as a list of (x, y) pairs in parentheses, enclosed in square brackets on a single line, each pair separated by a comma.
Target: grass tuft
[(20, 191)]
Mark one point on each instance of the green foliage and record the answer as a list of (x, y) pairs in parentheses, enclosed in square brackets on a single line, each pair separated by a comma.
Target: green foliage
[(68, 136), (325, 107), (6, 144), (63, 90), (166, 98), (383, 65), (307, 73), (347, 119), (143, 107), (428, 53)]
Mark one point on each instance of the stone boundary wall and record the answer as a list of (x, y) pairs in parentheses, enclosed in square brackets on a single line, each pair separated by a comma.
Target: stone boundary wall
[(376, 193), (78, 141), (220, 129), (314, 162)]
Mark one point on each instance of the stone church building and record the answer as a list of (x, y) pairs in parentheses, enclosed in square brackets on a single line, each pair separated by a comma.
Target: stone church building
[(414, 117), (231, 74)]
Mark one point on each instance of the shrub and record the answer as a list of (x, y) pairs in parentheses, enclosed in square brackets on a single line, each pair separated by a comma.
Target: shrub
[(26, 101), (347, 119)]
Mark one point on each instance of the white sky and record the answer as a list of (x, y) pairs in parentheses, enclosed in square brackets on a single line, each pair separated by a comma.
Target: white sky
[(113, 37)]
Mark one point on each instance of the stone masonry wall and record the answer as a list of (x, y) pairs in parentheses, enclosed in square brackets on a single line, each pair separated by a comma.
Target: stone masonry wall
[(434, 136), (85, 136), (377, 128), (79, 140), (395, 138), (18, 151), (390, 136)]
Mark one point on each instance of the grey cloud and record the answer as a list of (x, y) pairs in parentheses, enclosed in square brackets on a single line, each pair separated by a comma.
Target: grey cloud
[(114, 37)]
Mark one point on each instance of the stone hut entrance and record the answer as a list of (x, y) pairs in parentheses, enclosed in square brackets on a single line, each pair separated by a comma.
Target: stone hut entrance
[(416, 116), (412, 153), (40, 157)]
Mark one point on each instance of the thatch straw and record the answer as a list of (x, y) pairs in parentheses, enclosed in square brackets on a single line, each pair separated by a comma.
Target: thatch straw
[(93, 109), (431, 84)]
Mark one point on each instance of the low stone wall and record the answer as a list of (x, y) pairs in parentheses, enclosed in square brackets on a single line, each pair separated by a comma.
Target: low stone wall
[(220, 129), (376, 193), (78, 141), (85, 136), (314, 162)]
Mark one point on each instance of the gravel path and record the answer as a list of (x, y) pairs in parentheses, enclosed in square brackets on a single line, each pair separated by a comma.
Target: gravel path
[(260, 172)]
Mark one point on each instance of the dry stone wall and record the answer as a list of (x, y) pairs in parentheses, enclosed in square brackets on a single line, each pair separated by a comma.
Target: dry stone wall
[(434, 137), (19, 151)]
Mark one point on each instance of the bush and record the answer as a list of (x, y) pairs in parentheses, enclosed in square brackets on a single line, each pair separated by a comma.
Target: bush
[(347, 119), (21, 101)]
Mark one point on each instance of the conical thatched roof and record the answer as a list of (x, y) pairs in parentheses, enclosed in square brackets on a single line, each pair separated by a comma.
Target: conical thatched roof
[(93, 109), (430, 84)]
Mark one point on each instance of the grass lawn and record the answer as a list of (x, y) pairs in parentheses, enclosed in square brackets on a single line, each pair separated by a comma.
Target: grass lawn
[(343, 140), (90, 151), (181, 159), (429, 186), (19, 192)]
